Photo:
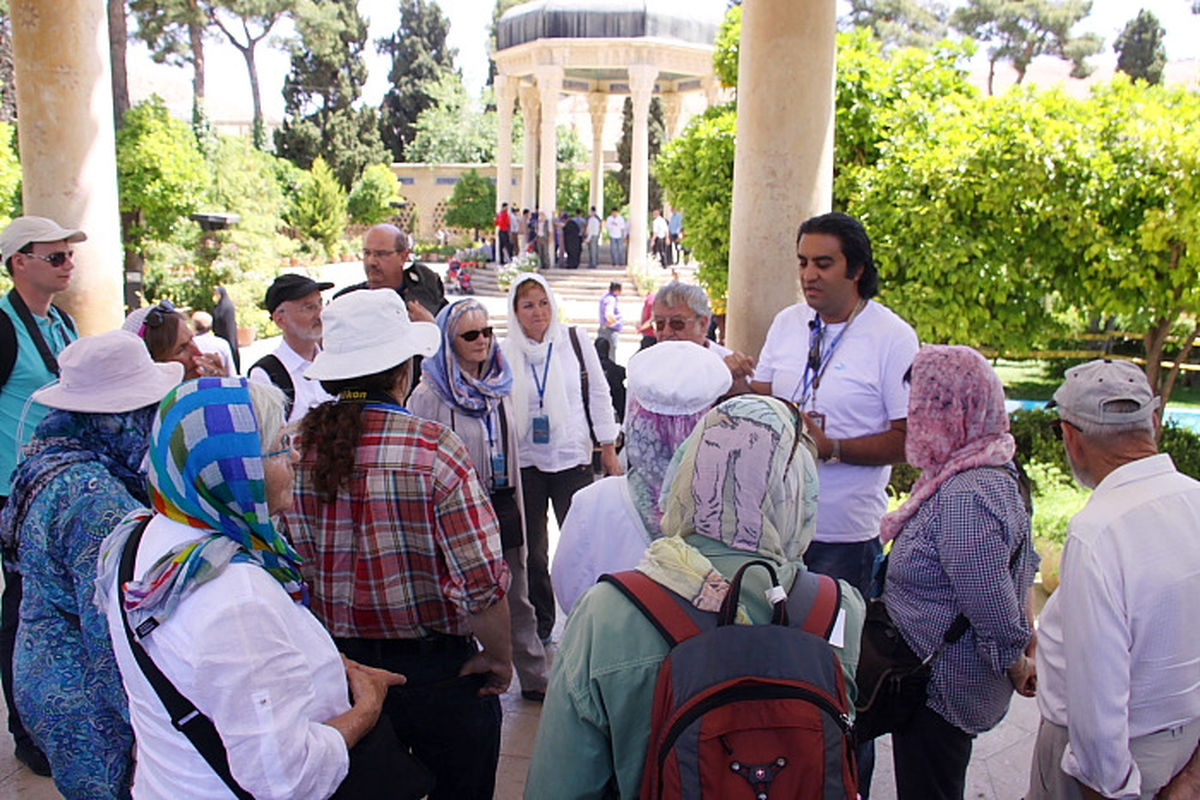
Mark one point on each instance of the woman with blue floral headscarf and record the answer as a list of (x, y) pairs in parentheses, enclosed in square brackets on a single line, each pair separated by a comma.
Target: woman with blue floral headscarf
[(81, 474), (464, 386), (219, 604)]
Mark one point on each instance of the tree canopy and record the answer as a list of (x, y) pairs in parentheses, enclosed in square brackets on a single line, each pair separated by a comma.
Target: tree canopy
[(901, 23), (1141, 52), (456, 128), (472, 204), (420, 56)]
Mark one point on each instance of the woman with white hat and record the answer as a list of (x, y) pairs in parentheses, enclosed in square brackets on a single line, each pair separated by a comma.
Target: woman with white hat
[(557, 422), (612, 522), (402, 546), (82, 473)]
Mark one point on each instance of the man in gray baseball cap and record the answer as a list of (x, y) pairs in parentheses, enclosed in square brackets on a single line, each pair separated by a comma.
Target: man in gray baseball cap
[(1119, 641), (37, 254)]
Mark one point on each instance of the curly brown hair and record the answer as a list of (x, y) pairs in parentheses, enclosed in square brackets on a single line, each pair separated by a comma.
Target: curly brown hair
[(330, 432)]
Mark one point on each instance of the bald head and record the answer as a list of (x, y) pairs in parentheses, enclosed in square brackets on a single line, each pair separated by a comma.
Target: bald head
[(385, 251)]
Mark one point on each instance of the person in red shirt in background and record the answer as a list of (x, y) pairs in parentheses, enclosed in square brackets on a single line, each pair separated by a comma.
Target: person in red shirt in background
[(504, 248)]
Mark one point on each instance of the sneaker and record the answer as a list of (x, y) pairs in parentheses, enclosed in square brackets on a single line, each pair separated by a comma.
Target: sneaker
[(31, 756)]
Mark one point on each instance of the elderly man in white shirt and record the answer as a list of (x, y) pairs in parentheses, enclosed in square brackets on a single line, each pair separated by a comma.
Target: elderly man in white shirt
[(1118, 656), (295, 304)]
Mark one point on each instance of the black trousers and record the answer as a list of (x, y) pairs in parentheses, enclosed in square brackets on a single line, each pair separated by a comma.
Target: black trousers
[(931, 757), (538, 489), (453, 731), (504, 246), (10, 615)]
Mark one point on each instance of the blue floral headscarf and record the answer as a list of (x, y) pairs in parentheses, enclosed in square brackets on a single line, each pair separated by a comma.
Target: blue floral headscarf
[(467, 393), (207, 472)]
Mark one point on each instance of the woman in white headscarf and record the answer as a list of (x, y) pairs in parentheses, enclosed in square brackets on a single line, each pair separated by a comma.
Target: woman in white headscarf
[(744, 488), (557, 421)]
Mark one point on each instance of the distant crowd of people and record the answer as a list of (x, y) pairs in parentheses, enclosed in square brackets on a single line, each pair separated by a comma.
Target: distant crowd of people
[(316, 580), (559, 239)]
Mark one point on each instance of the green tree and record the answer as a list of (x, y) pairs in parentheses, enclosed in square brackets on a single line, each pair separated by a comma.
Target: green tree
[(1140, 50), (472, 204), (320, 209), (901, 23), (493, 34), (370, 202), (728, 48), (174, 32), (326, 80), (1020, 30), (256, 18), (8, 93), (420, 56), (456, 128), (10, 174), (657, 134)]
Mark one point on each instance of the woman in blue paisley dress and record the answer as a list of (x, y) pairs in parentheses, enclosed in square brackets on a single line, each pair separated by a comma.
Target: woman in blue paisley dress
[(81, 474)]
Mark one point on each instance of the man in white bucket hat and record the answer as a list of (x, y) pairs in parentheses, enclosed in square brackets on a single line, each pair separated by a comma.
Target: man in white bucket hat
[(37, 254), (401, 545)]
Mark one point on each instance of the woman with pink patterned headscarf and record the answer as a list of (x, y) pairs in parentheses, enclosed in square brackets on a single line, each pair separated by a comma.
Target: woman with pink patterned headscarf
[(961, 546)]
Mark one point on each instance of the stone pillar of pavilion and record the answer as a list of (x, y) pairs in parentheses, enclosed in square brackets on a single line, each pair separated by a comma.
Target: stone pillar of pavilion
[(68, 151), (549, 78), (598, 106), (783, 169), (672, 104), (529, 108), (641, 87), (506, 93)]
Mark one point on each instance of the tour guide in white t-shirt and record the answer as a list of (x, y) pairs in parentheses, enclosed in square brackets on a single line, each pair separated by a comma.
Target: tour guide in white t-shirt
[(842, 357)]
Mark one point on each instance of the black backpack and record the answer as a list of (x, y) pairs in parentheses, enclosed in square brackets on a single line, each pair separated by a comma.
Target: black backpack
[(279, 376), (8, 341)]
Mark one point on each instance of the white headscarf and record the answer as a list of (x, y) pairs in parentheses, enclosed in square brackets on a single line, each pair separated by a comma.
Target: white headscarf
[(528, 358)]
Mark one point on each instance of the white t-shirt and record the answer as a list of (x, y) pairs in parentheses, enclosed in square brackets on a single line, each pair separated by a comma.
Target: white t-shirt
[(603, 532), (258, 664), (309, 393), (593, 227), (616, 226), (861, 391), (660, 228)]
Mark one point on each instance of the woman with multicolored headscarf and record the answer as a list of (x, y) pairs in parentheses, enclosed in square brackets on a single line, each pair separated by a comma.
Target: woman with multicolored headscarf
[(743, 486), (220, 608), (961, 546), (465, 386)]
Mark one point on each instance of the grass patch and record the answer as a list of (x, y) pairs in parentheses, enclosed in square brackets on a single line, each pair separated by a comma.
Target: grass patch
[(1033, 379)]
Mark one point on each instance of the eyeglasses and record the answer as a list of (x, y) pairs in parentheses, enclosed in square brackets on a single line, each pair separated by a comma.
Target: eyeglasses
[(156, 316), (380, 253), (55, 260), (676, 323), (285, 447), (471, 336)]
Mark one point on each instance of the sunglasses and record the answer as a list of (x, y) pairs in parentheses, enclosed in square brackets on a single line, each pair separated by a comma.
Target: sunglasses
[(471, 336), (156, 316), (1056, 427), (676, 323), (285, 447), (55, 260)]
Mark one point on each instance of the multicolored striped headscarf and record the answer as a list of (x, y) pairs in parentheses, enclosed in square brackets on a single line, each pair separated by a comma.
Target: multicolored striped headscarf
[(207, 472), (471, 395)]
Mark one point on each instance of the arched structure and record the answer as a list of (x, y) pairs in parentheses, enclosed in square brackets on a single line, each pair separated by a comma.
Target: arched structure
[(599, 48)]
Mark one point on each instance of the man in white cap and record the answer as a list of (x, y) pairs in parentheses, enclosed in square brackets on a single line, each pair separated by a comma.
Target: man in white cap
[(1118, 654), (37, 254), (295, 304)]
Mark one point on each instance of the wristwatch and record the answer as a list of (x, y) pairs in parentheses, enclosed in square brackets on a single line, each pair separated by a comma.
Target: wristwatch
[(836, 453)]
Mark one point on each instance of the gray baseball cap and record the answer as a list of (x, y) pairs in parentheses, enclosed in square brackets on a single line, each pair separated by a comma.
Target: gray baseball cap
[(23, 230), (1090, 390)]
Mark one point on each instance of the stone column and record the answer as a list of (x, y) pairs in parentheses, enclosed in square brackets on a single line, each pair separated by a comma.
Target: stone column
[(641, 87), (712, 90), (783, 169), (549, 80), (68, 150), (529, 108), (672, 113), (505, 95), (598, 106)]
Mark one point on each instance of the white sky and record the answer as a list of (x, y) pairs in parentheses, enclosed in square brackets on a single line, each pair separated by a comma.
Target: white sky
[(469, 21)]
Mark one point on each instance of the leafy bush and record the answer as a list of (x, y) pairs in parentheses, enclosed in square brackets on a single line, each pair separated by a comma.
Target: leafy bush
[(370, 202), (319, 211), (472, 204)]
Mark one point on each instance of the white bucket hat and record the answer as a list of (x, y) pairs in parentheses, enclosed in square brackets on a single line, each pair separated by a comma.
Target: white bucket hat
[(677, 378), (368, 331), (109, 373)]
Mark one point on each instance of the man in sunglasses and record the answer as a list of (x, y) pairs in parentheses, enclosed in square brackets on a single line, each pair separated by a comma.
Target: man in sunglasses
[(37, 254), (1118, 652), (682, 314), (295, 304)]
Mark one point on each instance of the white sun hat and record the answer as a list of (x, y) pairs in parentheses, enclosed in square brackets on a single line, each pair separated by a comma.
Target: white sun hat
[(368, 331), (109, 373), (677, 378)]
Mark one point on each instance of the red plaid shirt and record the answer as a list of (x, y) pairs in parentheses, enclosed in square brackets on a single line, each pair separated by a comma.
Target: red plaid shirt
[(411, 546)]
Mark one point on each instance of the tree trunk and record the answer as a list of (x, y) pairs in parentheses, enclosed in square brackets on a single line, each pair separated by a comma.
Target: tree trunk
[(991, 76), (1184, 355), (196, 42), (1154, 341), (117, 35)]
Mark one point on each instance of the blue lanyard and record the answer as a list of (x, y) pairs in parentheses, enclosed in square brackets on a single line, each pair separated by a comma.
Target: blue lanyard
[(812, 377), (541, 386)]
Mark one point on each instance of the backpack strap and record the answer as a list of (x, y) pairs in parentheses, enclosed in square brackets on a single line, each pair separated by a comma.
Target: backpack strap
[(825, 605), (658, 603), (583, 383), (8, 347), (279, 376)]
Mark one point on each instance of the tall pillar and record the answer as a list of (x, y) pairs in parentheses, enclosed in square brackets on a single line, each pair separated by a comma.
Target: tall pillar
[(641, 87), (672, 113), (529, 109), (783, 167), (712, 90), (549, 78), (598, 106), (505, 95), (68, 149)]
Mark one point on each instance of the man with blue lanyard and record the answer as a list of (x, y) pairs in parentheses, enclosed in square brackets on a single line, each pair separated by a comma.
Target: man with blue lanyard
[(37, 253), (842, 357)]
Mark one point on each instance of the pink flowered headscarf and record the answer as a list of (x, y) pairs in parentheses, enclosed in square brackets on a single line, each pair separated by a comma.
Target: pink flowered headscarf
[(956, 422)]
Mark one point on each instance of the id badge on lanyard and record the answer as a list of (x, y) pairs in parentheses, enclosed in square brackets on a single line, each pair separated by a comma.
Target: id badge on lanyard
[(541, 423)]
